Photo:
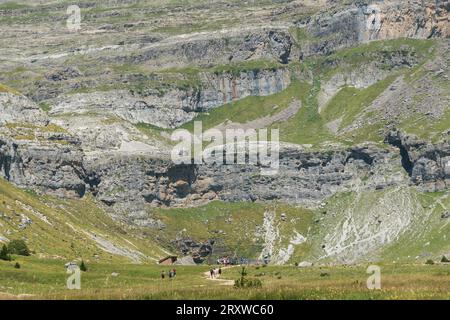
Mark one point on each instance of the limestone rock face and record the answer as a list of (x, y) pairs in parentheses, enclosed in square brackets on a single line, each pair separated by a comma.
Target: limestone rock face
[(56, 170), (304, 177), (176, 106), (273, 44), (33, 155), (18, 109), (427, 164), (369, 20)]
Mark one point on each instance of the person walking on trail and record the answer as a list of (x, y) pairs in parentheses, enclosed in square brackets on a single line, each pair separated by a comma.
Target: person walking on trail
[(211, 272), (163, 274), (174, 272), (220, 272)]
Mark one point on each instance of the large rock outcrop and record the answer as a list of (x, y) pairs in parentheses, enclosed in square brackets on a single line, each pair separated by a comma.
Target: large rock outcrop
[(304, 177), (428, 164), (52, 169)]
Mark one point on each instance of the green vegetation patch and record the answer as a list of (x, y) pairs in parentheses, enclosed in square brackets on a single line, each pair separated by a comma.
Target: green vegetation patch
[(246, 66), (349, 102), (12, 6), (424, 127), (252, 108)]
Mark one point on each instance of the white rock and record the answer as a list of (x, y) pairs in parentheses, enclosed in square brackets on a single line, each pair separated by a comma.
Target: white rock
[(305, 264)]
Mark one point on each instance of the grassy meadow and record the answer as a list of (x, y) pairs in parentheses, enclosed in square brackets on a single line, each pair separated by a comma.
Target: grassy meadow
[(46, 279)]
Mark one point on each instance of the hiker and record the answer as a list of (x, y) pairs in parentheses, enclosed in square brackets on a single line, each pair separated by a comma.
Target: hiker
[(220, 272), (163, 274), (170, 274), (174, 272), (211, 272)]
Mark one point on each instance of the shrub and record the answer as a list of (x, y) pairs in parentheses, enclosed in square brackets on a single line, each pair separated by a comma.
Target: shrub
[(247, 283), (444, 259), (429, 261), (17, 265), (18, 247), (83, 266), (4, 254), (243, 282)]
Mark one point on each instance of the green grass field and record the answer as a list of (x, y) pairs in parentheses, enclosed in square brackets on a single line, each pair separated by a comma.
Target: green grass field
[(46, 279)]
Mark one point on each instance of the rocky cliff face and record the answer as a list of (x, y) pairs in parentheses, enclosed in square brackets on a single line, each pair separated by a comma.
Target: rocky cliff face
[(220, 47), (35, 154), (427, 164), (361, 77), (175, 106), (304, 177), (365, 21), (55, 170), (311, 176)]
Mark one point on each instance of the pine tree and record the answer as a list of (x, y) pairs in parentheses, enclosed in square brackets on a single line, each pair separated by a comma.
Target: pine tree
[(83, 266), (4, 254)]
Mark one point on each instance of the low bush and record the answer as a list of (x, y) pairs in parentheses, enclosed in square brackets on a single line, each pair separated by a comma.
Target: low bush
[(18, 247)]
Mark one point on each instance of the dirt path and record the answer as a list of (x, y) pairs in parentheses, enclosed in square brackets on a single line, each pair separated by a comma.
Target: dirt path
[(223, 282), (9, 296)]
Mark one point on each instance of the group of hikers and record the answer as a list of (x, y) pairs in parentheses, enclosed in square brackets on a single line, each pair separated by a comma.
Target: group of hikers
[(215, 273), (172, 274)]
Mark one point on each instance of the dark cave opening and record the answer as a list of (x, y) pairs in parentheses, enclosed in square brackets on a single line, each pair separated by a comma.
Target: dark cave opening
[(407, 164)]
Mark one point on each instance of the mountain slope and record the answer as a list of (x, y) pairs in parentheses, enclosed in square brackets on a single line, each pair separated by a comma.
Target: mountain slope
[(358, 90), (70, 229)]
